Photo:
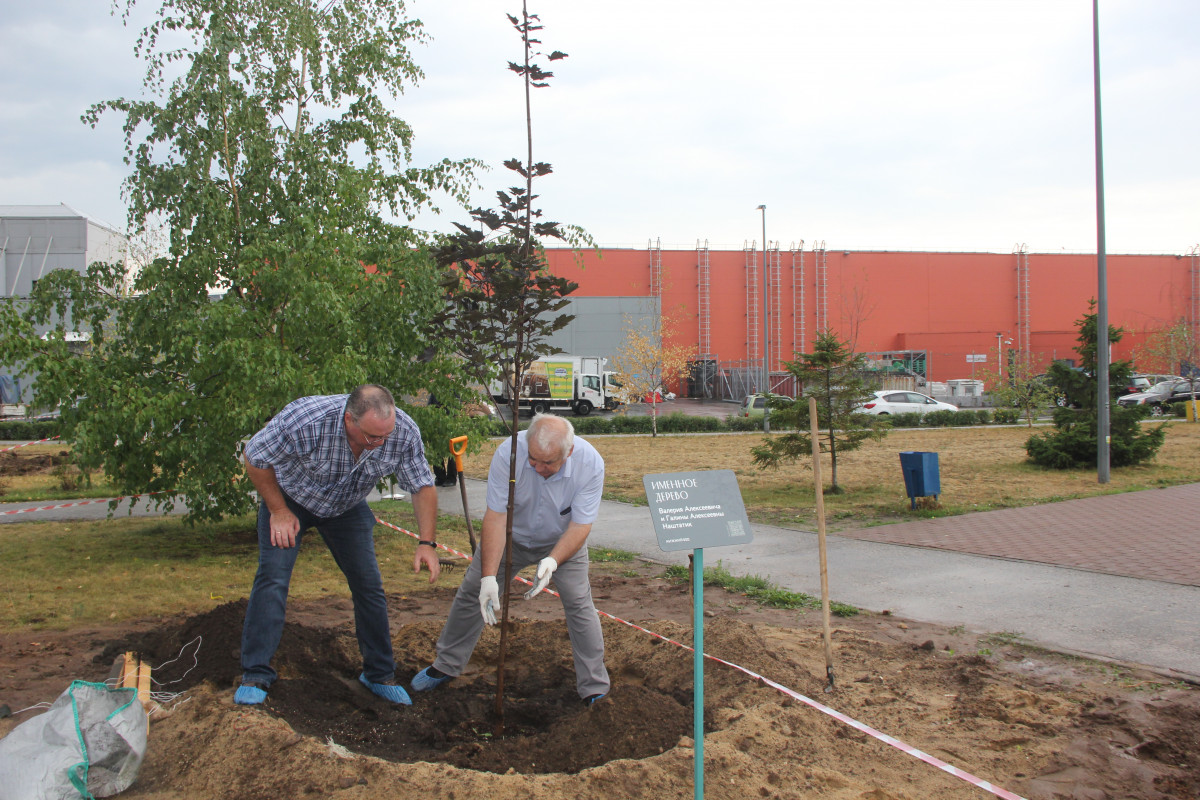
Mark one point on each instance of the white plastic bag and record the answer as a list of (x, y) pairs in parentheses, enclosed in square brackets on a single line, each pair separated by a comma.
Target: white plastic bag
[(89, 743)]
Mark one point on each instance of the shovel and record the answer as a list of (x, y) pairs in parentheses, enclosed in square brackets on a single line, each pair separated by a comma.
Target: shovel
[(458, 446)]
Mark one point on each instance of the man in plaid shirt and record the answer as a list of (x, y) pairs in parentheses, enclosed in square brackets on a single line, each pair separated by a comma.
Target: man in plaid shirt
[(313, 465)]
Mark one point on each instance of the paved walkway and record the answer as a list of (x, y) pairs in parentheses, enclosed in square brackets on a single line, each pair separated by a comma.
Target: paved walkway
[(1153, 534)]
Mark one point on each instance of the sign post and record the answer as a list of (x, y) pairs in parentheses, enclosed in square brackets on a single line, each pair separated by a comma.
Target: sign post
[(694, 510)]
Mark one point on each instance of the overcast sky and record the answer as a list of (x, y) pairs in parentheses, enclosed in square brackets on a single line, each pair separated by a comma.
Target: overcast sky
[(867, 124)]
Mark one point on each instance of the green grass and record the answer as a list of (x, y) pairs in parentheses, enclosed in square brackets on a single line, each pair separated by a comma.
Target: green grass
[(602, 555), (757, 588)]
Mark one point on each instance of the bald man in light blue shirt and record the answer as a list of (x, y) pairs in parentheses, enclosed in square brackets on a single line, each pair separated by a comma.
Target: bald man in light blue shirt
[(558, 483)]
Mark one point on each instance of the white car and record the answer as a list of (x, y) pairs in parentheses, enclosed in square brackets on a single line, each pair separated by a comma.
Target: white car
[(900, 402)]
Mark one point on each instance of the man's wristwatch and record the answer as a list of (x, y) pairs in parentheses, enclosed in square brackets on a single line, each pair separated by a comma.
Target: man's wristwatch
[(430, 543)]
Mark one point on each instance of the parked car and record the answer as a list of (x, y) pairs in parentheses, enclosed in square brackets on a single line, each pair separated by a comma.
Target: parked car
[(897, 402), (1160, 396), (1143, 382), (753, 404)]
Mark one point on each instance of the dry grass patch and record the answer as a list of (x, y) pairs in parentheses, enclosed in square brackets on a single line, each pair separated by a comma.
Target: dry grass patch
[(60, 575), (981, 468)]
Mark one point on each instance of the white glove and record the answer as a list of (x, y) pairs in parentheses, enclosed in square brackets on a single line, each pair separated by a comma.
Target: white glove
[(489, 598), (545, 570)]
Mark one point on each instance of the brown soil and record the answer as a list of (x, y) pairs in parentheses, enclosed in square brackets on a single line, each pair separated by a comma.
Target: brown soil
[(1037, 724), (16, 462)]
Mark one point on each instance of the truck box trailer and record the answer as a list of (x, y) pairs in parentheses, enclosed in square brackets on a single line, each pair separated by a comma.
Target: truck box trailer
[(562, 383)]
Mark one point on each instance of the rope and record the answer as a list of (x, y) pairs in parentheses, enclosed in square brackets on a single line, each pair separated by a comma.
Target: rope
[(824, 709)]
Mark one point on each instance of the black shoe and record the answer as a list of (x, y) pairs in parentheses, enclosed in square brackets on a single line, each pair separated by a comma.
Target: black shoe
[(591, 699)]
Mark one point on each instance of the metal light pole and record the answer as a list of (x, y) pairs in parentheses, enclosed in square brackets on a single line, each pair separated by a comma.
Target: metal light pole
[(766, 330), (1102, 357), (1000, 356)]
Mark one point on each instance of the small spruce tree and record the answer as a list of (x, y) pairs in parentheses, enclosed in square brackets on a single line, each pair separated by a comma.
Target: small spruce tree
[(1072, 443), (833, 374)]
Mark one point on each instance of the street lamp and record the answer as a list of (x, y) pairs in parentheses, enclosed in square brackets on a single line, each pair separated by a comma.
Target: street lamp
[(1000, 342), (766, 331), (1000, 357)]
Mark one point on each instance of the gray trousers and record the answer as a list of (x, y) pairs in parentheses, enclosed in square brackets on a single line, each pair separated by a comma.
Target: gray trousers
[(465, 623)]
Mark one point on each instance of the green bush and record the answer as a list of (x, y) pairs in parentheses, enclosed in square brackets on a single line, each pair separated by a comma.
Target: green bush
[(743, 424), (911, 420), (677, 422), (28, 430), (951, 419), (623, 423), (600, 424), (589, 425), (1006, 416)]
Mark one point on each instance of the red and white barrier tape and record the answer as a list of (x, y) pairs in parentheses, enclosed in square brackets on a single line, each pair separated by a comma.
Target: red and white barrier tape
[(19, 446), (77, 503), (824, 709)]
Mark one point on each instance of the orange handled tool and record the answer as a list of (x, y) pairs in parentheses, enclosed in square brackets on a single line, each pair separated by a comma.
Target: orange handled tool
[(458, 446)]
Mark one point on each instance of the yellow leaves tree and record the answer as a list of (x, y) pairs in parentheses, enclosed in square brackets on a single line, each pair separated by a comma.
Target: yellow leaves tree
[(646, 361)]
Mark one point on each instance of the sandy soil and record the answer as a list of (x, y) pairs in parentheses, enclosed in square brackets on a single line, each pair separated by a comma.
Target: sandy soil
[(1036, 724)]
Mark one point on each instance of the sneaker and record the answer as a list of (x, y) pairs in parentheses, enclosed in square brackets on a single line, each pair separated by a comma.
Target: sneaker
[(250, 694), (388, 691), (429, 679), (592, 698)]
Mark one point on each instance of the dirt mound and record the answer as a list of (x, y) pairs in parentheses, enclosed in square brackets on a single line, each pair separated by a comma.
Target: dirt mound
[(16, 462), (1043, 726)]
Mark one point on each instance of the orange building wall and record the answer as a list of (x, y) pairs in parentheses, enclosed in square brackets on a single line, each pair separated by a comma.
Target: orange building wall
[(948, 304)]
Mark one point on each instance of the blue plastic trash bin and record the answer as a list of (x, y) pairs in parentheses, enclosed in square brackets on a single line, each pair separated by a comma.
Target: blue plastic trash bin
[(921, 478)]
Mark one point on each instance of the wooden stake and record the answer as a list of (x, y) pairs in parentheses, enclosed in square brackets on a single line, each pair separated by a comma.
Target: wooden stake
[(818, 482)]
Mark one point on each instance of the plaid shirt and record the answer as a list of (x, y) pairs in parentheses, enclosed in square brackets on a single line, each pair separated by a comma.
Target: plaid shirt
[(306, 445)]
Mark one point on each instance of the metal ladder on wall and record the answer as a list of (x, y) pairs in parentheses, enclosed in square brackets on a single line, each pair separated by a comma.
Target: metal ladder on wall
[(1194, 254), (655, 248), (774, 307), (820, 267), (751, 252), (1021, 251), (703, 300), (798, 329)]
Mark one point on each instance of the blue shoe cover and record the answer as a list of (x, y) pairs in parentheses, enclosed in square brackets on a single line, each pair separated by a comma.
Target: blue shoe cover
[(424, 682), (389, 692), (249, 694)]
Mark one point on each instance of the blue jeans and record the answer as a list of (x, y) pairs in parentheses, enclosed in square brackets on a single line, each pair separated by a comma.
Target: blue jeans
[(349, 538)]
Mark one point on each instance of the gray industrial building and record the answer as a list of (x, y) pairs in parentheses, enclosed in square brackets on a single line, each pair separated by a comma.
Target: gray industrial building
[(36, 240)]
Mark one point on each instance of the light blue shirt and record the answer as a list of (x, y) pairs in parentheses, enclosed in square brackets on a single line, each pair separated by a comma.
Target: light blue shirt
[(544, 507)]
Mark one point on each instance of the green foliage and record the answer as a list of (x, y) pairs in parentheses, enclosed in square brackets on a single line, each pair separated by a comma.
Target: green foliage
[(1005, 416), (269, 155), (603, 555), (1073, 442), (740, 424), (756, 588), (831, 374), (948, 419), (28, 430)]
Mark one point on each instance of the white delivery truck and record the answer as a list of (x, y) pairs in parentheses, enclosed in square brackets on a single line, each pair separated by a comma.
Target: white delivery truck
[(562, 383)]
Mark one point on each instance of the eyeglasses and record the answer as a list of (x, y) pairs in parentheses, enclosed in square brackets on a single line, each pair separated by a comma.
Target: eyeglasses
[(372, 440)]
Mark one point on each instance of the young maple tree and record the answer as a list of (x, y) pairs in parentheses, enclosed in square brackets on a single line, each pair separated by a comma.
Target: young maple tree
[(502, 302), (645, 363)]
